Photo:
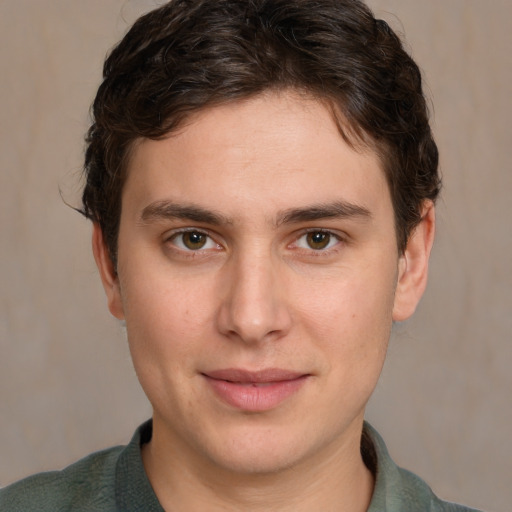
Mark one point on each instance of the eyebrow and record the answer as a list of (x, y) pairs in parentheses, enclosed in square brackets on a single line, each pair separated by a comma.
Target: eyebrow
[(335, 210), (164, 210)]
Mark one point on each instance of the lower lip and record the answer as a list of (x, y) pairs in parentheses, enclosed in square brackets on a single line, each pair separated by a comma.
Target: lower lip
[(255, 397)]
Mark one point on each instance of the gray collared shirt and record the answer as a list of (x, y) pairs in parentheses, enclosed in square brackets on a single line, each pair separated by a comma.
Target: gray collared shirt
[(115, 480)]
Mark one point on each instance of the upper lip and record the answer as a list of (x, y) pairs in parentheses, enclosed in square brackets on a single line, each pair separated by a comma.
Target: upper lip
[(260, 376)]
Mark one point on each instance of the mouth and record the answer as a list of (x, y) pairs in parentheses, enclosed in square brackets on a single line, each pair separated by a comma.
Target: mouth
[(254, 391)]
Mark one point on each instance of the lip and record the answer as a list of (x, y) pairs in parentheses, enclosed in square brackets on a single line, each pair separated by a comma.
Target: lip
[(257, 391)]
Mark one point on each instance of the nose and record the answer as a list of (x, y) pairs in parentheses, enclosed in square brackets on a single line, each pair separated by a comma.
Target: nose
[(254, 305)]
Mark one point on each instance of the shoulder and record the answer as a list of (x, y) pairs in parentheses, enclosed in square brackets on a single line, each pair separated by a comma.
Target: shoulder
[(396, 489), (88, 484), (418, 493)]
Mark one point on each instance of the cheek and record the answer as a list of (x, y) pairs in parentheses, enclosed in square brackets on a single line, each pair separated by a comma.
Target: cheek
[(349, 303), (164, 332), (350, 320), (165, 320)]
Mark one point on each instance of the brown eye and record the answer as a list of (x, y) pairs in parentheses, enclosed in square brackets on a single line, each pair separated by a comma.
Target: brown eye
[(318, 240), (194, 240)]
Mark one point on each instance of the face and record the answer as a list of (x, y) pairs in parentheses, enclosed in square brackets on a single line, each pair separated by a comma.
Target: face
[(257, 274)]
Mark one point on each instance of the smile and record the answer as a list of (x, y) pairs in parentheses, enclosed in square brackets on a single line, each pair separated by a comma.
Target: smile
[(254, 391)]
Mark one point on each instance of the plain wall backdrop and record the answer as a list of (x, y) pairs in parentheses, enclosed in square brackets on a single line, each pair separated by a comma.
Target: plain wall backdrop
[(67, 386)]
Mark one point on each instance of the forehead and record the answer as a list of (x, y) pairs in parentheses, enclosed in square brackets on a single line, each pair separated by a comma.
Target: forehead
[(267, 152)]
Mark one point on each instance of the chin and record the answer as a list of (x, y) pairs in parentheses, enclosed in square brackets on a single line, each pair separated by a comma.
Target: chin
[(257, 462), (259, 453)]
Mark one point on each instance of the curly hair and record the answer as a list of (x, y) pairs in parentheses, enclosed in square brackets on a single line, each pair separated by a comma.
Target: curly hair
[(190, 54)]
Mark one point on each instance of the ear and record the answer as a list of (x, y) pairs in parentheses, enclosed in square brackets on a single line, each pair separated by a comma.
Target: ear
[(108, 274), (413, 265)]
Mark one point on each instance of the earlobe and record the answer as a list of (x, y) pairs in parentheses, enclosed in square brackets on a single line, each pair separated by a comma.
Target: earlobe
[(108, 274), (413, 266)]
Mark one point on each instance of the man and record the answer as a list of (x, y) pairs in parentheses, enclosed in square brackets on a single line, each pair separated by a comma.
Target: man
[(261, 178)]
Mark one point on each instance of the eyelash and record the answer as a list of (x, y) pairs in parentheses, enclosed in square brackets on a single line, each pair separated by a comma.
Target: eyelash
[(322, 251), (188, 252)]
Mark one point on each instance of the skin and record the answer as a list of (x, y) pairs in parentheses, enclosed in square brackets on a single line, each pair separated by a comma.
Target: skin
[(298, 270)]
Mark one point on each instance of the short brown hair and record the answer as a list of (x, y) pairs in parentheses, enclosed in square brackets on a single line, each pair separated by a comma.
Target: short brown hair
[(190, 54)]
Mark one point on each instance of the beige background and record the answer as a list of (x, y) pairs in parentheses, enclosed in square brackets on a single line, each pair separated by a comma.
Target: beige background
[(66, 382)]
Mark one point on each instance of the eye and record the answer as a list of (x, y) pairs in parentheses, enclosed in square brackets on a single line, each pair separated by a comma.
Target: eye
[(193, 241), (317, 240)]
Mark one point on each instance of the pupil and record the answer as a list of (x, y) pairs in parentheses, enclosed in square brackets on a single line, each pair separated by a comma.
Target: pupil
[(194, 240), (318, 240)]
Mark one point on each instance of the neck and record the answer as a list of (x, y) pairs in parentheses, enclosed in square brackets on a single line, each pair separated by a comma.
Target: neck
[(335, 480)]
